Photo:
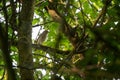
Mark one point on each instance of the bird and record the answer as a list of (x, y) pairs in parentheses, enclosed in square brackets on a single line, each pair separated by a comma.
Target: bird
[(42, 37), (55, 16)]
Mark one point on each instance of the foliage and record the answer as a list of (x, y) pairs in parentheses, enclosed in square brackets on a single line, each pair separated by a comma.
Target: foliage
[(94, 54)]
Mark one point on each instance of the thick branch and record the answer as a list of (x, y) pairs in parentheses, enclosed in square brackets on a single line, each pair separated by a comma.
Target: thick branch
[(5, 46), (53, 50), (49, 49), (64, 26)]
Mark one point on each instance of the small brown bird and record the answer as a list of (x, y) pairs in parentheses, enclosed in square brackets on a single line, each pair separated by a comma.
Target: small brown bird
[(42, 37), (54, 16)]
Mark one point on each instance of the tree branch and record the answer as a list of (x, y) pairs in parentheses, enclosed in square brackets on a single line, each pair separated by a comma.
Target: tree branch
[(102, 13), (49, 49), (64, 26)]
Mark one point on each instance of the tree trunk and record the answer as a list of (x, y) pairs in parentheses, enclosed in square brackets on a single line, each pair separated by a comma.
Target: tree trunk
[(24, 40)]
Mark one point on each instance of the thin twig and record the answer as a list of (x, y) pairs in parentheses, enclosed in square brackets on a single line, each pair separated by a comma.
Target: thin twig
[(102, 13), (37, 25)]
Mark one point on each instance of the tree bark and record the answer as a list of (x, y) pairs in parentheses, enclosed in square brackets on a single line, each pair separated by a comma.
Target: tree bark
[(24, 40)]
